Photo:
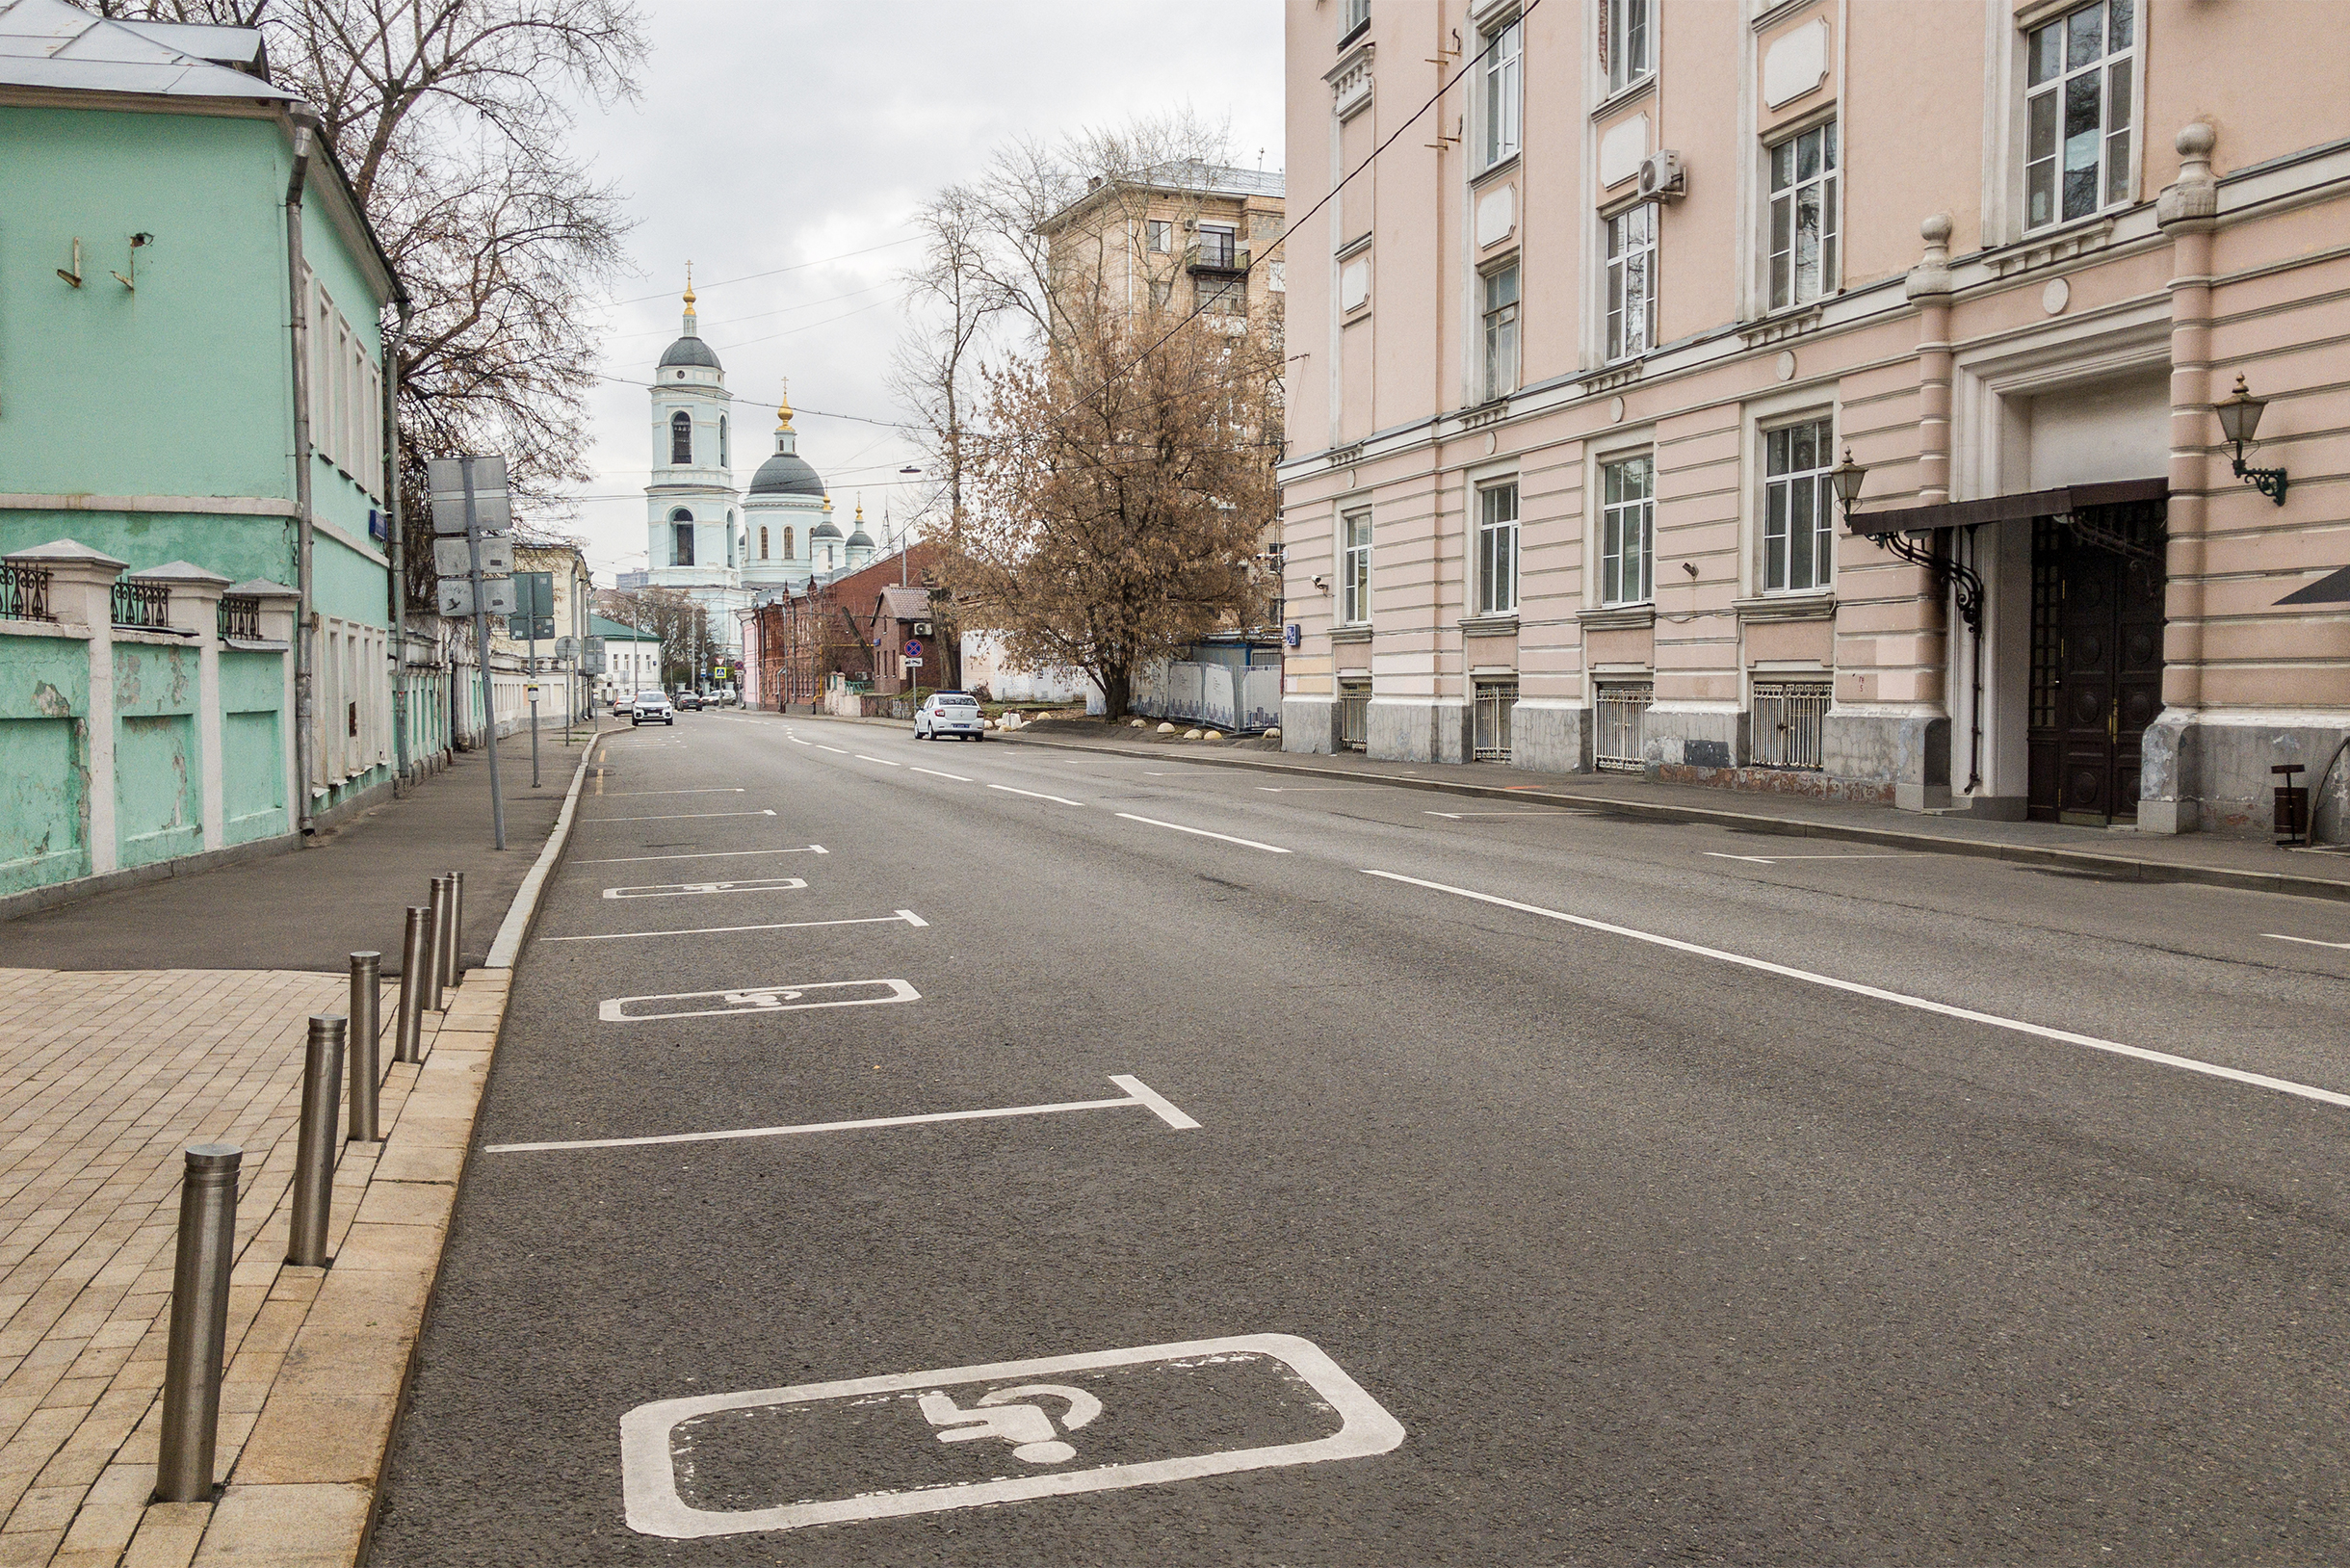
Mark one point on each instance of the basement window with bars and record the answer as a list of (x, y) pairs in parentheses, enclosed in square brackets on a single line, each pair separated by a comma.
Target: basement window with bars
[(1353, 716), (1787, 723), (1620, 716), (1494, 700)]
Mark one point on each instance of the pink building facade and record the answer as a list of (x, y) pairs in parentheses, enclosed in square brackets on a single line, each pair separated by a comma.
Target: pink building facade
[(1577, 358)]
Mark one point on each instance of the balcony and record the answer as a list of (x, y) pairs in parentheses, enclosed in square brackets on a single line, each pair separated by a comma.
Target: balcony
[(1217, 250)]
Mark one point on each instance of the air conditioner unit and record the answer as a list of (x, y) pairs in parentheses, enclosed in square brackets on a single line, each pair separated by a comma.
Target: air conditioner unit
[(922, 628), (1662, 176)]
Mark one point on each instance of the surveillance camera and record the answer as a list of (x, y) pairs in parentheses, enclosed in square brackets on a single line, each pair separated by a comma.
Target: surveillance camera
[(1321, 583)]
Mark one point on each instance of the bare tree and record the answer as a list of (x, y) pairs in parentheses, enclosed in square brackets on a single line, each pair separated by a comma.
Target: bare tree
[(1118, 493), (682, 626), (449, 117)]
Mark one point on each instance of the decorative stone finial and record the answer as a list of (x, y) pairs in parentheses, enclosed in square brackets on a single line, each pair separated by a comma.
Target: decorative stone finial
[(1931, 276), (2194, 196)]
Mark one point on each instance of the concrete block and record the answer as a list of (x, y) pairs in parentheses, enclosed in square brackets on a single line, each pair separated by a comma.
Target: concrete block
[(294, 1525)]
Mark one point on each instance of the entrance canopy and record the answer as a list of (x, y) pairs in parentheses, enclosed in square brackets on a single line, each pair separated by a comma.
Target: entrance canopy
[(1999, 509), (2332, 588)]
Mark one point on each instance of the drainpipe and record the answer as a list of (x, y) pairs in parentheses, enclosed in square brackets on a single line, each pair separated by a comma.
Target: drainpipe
[(304, 124), (398, 542)]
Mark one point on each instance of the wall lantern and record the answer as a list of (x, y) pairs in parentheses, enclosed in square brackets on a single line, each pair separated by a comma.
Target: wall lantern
[(2239, 420), (1848, 477)]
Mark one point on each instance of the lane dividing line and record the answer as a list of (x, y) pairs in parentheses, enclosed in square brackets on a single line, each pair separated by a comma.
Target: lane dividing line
[(2234, 1075), (883, 761), (1319, 789), (623, 794), (1269, 849), (682, 816), (704, 855), (1775, 859), (838, 750), (905, 916), (1137, 1093), (2305, 941), (795, 740), (936, 773), (1034, 796), (1456, 816)]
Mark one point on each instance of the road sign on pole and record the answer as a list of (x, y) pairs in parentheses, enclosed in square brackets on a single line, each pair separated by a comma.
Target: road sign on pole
[(913, 650)]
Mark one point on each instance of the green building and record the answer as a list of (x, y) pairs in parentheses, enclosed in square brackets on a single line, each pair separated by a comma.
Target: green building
[(191, 325)]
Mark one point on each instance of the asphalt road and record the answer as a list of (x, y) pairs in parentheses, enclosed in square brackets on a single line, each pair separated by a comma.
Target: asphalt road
[(1564, 1190)]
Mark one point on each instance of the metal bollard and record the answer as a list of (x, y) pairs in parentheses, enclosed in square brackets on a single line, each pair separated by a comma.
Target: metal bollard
[(366, 1044), (322, 1087), (415, 977), (455, 967), (436, 961), (199, 1323)]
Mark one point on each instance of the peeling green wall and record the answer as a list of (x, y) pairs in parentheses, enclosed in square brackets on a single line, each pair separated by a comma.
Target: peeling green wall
[(253, 746), (158, 771), (44, 760)]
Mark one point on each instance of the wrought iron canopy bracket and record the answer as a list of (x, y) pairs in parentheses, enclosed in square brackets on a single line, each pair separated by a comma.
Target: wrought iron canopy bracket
[(2269, 481), (1955, 577)]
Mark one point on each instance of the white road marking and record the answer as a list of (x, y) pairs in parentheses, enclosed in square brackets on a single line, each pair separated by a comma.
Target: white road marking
[(679, 890), (883, 761), (756, 999), (840, 749), (681, 816), (2234, 1075), (1269, 849), (1456, 816), (904, 916), (649, 1436), (1319, 789), (703, 854), (936, 773), (1137, 1095), (2305, 941), (1774, 859), (623, 794), (1034, 796), (795, 740)]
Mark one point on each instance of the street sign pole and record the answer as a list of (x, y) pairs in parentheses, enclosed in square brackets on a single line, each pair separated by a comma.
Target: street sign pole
[(481, 644), (533, 676)]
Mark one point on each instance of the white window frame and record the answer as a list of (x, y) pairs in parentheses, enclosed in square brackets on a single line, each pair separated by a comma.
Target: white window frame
[(1354, 567), (1502, 93), (1630, 324), (1357, 15), (1789, 490), (1826, 182), (1622, 22), (1501, 330), (1497, 548), (1159, 236), (2117, 148), (1639, 514)]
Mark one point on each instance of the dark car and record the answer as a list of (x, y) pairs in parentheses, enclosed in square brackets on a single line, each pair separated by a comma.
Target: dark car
[(689, 702)]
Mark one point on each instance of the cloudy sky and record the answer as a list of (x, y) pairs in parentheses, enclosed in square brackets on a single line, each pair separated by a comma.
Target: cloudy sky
[(799, 134)]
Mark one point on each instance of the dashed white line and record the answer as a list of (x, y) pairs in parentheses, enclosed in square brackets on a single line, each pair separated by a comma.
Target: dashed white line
[(936, 773), (2234, 1075), (704, 855), (795, 740), (2305, 941), (905, 917), (623, 794), (841, 751), (883, 761), (1774, 859), (1269, 849), (682, 817), (1034, 796)]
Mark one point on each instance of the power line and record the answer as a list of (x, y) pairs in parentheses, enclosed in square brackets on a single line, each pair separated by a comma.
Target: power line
[(775, 271), (780, 310)]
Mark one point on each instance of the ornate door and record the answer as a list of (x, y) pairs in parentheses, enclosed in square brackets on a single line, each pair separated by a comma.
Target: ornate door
[(2096, 661)]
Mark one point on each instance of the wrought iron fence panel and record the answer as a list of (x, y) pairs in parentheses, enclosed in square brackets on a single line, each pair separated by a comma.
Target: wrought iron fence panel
[(24, 592), (240, 617), (1787, 723), (144, 606)]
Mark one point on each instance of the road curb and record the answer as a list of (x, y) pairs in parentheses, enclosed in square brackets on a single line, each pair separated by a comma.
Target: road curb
[(2118, 866)]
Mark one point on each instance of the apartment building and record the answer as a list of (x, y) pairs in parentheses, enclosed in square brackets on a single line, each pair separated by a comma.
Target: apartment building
[(1178, 237), (1587, 362)]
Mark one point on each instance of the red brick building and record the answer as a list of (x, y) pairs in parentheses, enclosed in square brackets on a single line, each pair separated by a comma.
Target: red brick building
[(815, 630)]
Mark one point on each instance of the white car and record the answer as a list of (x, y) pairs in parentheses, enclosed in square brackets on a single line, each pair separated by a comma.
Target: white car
[(650, 708), (948, 712)]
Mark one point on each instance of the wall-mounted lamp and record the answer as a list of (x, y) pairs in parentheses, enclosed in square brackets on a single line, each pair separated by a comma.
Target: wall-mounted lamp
[(132, 282), (1848, 477), (2239, 418)]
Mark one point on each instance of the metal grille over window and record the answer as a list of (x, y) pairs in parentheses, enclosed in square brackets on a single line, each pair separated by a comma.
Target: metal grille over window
[(144, 606), (1494, 702), (240, 617), (1353, 714), (1798, 514), (24, 592), (1621, 725), (2078, 112), (1803, 217), (1786, 720)]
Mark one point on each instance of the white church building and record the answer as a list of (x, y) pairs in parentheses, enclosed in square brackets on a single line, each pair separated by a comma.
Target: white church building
[(702, 537)]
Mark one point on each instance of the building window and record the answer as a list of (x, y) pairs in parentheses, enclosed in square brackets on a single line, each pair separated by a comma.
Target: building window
[(763, 541), (1496, 549), (1628, 531), (1494, 700), (2077, 112), (1798, 511), (1788, 721), (681, 438), (1632, 282), (1355, 17), (680, 544), (787, 544), (1626, 50), (1223, 296), (1355, 570), (1218, 245), (1501, 105), (1619, 731), (1353, 714), (1158, 236), (1803, 217), (723, 459), (1501, 316)]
